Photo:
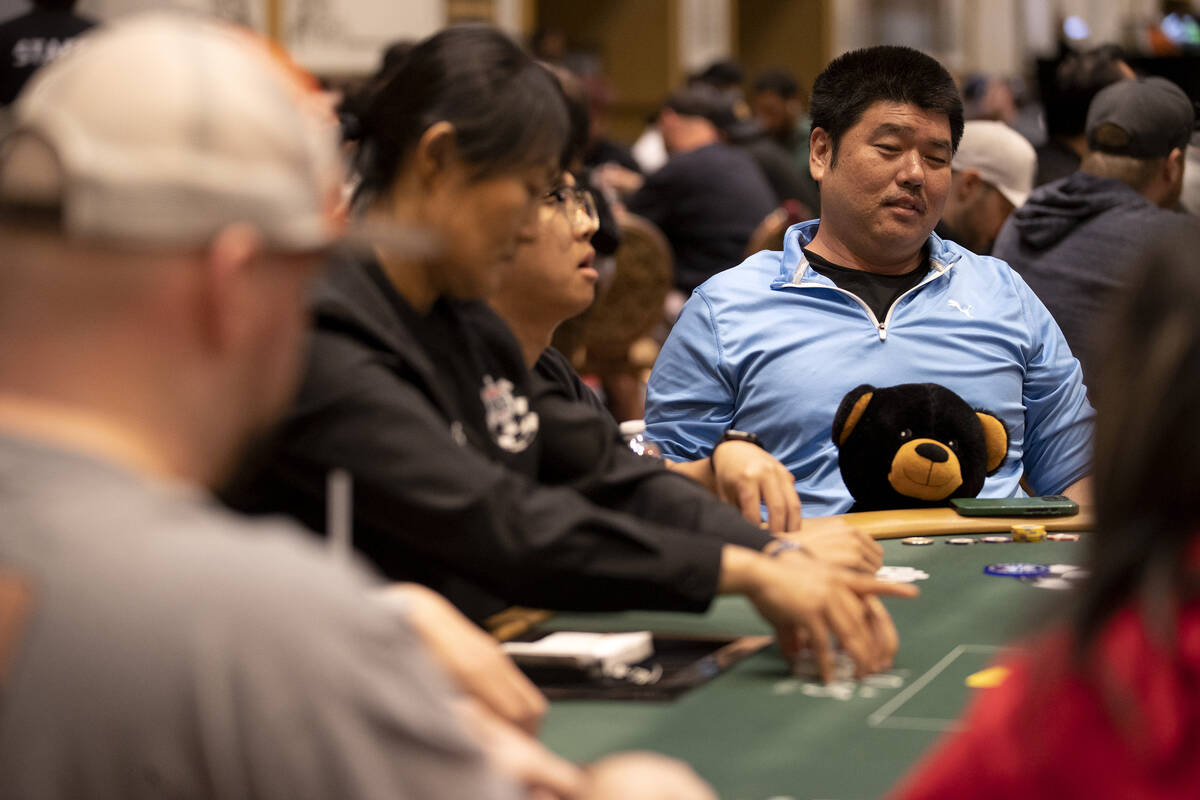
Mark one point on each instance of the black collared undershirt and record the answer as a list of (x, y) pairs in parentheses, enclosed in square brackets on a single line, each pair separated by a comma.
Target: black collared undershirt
[(877, 291)]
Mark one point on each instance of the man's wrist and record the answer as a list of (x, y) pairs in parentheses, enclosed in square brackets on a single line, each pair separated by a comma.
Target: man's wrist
[(740, 568), (778, 546), (732, 435)]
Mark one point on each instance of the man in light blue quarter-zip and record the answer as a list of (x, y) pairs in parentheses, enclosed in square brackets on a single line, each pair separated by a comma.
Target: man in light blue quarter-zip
[(868, 294)]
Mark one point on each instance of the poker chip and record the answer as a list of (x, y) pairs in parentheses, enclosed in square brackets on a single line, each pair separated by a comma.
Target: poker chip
[(996, 539), (1060, 577), (890, 574), (1028, 533), (1063, 537), (1017, 570), (1058, 584), (916, 540), (961, 540), (804, 666)]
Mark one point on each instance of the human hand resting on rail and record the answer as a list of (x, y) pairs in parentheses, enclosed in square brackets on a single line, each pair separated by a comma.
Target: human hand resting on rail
[(643, 776), (748, 477), (545, 776), (520, 757), (473, 659)]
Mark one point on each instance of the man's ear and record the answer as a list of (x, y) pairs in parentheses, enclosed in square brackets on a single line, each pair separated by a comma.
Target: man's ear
[(995, 437), (967, 183), (820, 153), (434, 152), (850, 411), (1173, 167), (228, 308)]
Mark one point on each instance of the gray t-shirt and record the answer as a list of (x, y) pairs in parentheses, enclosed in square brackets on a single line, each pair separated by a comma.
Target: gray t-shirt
[(171, 649)]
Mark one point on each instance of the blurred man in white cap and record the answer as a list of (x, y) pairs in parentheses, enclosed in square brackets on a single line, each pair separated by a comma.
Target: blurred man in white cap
[(1074, 239), (165, 198), (991, 174)]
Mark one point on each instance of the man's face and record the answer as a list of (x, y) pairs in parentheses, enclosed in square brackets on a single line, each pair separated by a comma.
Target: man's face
[(975, 211), (889, 185), (670, 125)]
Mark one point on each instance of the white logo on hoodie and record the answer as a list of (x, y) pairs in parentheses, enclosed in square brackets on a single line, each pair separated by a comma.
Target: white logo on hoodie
[(512, 425)]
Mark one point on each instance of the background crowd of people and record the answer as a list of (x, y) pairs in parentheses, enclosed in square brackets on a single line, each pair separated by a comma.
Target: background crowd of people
[(235, 318)]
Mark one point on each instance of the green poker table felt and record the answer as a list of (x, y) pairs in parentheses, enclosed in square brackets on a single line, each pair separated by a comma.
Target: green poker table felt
[(758, 733)]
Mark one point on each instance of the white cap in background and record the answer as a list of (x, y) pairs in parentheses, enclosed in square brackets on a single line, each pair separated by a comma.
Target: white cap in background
[(1002, 157), (166, 127)]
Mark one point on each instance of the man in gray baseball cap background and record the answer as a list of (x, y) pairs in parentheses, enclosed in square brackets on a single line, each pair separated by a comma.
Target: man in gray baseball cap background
[(1075, 238)]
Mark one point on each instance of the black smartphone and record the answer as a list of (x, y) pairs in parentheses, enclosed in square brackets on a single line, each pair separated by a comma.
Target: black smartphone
[(1054, 505)]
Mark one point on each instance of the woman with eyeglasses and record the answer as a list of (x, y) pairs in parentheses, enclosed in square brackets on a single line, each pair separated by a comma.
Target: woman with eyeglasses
[(553, 277), (465, 472), (551, 280)]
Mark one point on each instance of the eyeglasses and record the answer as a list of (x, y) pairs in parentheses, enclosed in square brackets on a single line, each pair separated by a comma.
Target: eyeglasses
[(578, 205)]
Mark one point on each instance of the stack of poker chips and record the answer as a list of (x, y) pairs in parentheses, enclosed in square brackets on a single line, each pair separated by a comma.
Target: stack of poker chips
[(1028, 533)]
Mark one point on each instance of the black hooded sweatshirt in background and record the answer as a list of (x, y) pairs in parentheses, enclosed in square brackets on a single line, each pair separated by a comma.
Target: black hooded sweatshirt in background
[(457, 488), (1074, 242)]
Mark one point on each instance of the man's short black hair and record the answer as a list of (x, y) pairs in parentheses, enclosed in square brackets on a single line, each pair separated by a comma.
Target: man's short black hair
[(856, 80), (777, 81)]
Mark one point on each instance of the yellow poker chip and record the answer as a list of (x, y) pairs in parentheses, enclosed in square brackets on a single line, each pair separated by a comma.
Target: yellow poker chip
[(1028, 533), (988, 678)]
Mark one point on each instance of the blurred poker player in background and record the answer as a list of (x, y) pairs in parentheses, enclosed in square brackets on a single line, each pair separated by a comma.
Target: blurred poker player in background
[(166, 198)]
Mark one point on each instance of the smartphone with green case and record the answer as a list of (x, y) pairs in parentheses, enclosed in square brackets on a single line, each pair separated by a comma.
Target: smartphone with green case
[(1054, 505)]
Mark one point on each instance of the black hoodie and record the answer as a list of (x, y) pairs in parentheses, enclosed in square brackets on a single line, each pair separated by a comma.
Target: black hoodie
[(472, 476), (1073, 242)]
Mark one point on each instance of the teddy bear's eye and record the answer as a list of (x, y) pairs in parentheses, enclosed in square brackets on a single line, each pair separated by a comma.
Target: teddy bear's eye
[(905, 434), (953, 444)]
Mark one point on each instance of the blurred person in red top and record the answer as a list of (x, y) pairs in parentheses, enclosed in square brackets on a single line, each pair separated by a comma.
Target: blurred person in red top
[(1107, 702)]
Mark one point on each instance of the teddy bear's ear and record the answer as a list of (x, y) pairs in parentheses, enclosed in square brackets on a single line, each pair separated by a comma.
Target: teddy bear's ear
[(995, 436), (850, 411)]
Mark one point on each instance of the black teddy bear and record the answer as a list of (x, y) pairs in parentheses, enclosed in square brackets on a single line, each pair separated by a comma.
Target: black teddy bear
[(915, 445)]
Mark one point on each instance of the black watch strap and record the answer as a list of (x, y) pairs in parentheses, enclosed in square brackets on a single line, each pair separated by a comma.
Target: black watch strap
[(732, 435)]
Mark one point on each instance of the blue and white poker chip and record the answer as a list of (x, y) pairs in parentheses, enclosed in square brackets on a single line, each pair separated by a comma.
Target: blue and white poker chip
[(1017, 570)]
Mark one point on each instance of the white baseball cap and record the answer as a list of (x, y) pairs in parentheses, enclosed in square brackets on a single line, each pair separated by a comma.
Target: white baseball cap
[(1002, 157), (167, 127)]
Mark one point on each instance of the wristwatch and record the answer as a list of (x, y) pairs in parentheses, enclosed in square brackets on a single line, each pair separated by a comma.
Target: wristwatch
[(741, 436)]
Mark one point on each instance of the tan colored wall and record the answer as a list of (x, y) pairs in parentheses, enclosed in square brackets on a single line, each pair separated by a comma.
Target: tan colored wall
[(636, 41), (793, 34)]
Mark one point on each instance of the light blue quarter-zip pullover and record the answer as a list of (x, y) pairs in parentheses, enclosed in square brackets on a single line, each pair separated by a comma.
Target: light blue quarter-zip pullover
[(771, 346)]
